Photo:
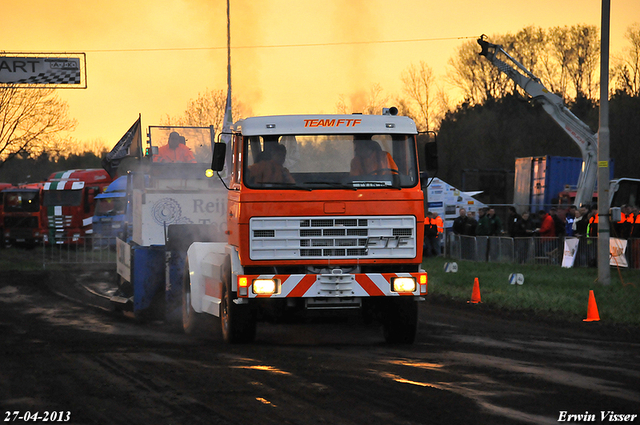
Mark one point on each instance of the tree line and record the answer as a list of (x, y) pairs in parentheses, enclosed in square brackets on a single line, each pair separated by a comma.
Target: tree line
[(497, 122)]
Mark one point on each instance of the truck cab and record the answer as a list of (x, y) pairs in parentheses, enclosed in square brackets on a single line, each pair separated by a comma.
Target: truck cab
[(24, 221), (325, 215), (111, 216), (69, 199)]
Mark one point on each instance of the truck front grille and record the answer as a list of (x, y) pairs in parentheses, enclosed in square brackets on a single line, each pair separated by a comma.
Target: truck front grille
[(293, 238)]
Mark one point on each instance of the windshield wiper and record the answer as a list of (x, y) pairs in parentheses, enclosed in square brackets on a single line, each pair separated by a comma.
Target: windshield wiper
[(334, 184)]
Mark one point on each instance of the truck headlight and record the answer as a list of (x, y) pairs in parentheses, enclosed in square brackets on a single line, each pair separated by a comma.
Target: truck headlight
[(264, 286), (403, 284)]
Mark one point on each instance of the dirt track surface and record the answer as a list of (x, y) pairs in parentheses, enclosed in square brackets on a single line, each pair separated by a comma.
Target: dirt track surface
[(63, 351)]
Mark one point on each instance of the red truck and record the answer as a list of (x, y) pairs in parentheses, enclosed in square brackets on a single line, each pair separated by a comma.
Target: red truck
[(69, 200), (24, 221)]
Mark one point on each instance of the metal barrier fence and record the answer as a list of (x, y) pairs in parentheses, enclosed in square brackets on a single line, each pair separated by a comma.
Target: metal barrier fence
[(534, 250), (83, 250)]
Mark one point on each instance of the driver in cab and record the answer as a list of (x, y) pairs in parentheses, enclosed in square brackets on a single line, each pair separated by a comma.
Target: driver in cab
[(370, 159), (175, 150), (270, 167)]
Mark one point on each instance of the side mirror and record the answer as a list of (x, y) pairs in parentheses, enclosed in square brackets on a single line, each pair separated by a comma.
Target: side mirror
[(431, 155), (219, 154), (428, 150)]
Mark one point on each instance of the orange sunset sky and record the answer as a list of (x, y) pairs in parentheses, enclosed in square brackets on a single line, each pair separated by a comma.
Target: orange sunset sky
[(151, 57)]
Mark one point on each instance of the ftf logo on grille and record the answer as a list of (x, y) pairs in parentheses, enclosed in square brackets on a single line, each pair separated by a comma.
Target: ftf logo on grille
[(387, 241)]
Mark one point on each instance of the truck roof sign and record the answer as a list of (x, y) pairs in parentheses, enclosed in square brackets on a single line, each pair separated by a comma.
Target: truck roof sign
[(325, 124)]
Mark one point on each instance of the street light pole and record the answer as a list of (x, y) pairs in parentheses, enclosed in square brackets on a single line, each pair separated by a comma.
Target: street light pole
[(604, 274)]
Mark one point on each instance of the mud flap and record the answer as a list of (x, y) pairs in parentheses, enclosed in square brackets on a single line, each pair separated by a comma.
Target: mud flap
[(179, 238)]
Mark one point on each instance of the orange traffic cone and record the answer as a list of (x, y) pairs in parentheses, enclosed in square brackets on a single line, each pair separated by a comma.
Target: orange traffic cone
[(475, 295), (592, 309)]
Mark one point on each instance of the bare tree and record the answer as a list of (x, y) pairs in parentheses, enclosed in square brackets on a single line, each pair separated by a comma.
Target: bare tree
[(443, 102), (626, 69), (207, 109), (528, 46), (478, 79), (564, 58), (32, 122), (577, 52), (419, 85)]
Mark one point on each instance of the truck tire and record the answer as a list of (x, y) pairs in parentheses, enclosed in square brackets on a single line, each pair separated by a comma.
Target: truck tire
[(400, 320), (237, 321), (191, 320)]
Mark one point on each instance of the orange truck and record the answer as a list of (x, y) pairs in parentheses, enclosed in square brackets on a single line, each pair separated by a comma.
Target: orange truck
[(24, 221), (69, 202), (316, 215)]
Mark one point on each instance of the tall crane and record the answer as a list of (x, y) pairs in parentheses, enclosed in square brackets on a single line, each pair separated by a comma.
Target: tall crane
[(553, 104)]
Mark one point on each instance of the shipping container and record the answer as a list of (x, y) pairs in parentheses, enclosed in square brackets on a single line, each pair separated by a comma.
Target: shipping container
[(540, 179)]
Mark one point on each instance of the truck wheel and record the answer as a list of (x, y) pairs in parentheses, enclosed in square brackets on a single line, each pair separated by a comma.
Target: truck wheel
[(400, 321), (238, 322), (191, 320)]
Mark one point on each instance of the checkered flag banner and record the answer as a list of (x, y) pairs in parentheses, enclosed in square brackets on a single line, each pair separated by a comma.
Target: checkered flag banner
[(33, 71), (53, 77)]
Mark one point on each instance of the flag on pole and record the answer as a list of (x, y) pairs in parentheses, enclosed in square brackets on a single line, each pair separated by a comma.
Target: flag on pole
[(130, 145)]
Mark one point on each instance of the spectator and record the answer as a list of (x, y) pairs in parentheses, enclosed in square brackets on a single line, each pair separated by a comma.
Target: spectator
[(580, 222), (524, 226), (435, 218), (460, 222), (483, 228), (569, 219), (523, 229), (547, 226), (625, 225), (547, 231), (430, 235), (557, 222), (514, 217), (472, 223), (635, 228), (489, 224), (592, 227)]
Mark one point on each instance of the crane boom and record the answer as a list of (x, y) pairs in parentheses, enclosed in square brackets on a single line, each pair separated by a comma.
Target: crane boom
[(553, 104)]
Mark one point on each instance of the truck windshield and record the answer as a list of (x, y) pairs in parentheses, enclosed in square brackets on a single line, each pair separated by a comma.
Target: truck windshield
[(110, 206), (62, 198), (22, 201), (330, 161)]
